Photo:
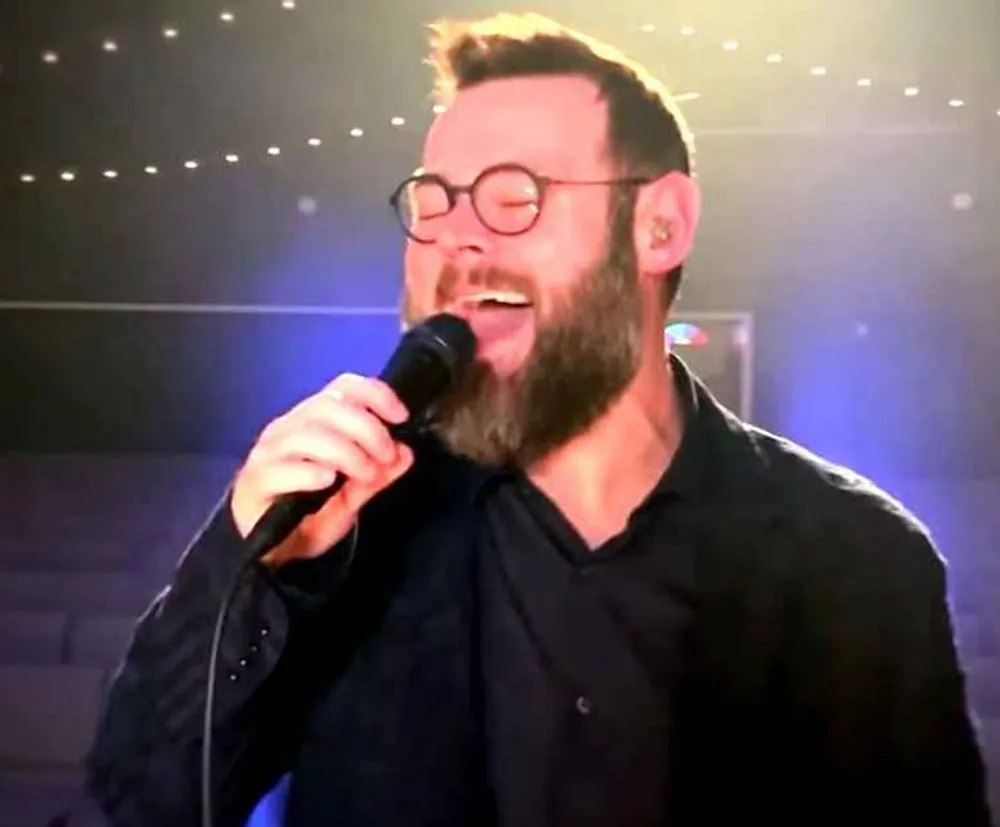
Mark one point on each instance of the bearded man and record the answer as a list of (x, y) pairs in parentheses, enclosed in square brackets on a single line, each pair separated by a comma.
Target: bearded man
[(588, 595)]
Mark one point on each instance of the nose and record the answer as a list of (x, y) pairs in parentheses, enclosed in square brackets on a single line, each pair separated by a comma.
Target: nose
[(462, 234)]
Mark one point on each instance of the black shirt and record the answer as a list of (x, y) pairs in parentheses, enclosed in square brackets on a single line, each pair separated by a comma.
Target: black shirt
[(768, 641)]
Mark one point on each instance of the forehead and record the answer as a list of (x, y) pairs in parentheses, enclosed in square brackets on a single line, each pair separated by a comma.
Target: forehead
[(555, 125)]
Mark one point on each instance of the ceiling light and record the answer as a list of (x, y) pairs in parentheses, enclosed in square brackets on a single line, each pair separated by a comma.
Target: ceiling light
[(232, 158), (49, 56), (191, 164), (398, 121), (911, 91), (439, 108), (226, 17), (110, 174), (288, 4), (67, 175), (274, 150), (150, 170), (864, 82), (357, 132), (28, 178), (169, 32), (648, 28), (687, 31), (774, 58), (314, 142), (109, 46), (818, 71), (956, 103), (731, 45)]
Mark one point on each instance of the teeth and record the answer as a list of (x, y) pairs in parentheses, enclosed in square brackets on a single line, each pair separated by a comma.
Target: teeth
[(500, 297)]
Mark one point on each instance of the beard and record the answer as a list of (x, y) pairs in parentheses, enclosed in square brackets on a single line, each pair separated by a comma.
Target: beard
[(586, 352)]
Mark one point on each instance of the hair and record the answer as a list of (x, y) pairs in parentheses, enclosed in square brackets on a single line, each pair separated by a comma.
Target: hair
[(647, 134)]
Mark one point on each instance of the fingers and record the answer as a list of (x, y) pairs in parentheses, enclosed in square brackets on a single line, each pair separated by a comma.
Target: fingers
[(342, 430)]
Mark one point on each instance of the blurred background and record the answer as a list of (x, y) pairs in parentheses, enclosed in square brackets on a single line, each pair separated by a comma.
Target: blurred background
[(195, 233)]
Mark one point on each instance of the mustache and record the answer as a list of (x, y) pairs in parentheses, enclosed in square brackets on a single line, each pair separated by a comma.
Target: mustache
[(482, 278)]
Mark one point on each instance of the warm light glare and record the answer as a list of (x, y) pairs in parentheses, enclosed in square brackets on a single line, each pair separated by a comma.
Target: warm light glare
[(398, 121), (648, 28), (110, 174), (226, 17), (191, 164), (818, 71), (956, 103), (288, 4), (731, 45), (232, 158), (357, 132), (67, 175), (151, 170), (314, 142), (28, 178), (774, 58), (687, 31), (109, 46), (439, 108), (274, 150), (911, 91), (170, 32), (865, 82), (48, 56)]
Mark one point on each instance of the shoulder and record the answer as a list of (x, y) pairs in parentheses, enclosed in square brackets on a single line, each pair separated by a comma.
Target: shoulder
[(844, 522)]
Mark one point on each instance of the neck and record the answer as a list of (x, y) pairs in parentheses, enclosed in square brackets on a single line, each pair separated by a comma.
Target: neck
[(599, 478)]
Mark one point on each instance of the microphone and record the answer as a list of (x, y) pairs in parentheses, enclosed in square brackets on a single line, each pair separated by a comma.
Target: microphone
[(430, 358)]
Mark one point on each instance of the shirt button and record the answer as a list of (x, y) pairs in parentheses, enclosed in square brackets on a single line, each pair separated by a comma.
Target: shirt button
[(583, 705)]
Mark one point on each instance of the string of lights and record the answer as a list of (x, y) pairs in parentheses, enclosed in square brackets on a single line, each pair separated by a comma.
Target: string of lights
[(50, 59)]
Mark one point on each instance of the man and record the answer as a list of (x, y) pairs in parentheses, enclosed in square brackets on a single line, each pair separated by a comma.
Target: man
[(590, 595)]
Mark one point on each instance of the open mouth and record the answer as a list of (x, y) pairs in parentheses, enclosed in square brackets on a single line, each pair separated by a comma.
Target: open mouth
[(495, 300)]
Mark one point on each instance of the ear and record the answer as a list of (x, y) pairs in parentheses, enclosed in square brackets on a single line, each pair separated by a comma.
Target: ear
[(666, 216)]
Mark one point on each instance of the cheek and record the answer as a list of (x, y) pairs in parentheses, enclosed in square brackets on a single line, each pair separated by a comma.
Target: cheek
[(420, 269)]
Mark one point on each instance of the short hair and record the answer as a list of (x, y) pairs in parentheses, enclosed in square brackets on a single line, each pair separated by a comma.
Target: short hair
[(647, 134)]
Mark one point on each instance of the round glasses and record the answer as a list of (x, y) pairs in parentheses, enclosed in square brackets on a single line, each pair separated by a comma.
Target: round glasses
[(506, 198)]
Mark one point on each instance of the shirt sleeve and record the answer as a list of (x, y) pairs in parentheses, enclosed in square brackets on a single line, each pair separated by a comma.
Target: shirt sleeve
[(933, 729), (144, 767), (882, 688)]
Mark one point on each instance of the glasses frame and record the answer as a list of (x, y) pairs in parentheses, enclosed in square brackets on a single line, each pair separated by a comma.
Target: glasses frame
[(453, 192)]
